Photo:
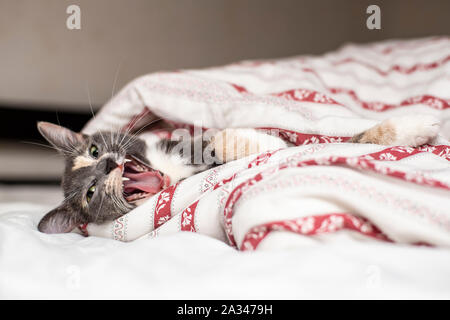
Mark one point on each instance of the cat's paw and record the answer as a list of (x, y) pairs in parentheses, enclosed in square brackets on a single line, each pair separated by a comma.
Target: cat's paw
[(232, 144), (413, 130)]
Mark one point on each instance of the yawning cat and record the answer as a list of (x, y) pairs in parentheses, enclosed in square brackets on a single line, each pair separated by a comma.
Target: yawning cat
[(107, 174)]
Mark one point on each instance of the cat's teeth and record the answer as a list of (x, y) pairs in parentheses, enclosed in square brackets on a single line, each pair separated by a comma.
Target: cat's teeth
[(127, 160), (125, 179)]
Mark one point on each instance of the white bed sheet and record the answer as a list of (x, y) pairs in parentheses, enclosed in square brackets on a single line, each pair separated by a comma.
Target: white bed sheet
[(193, 266)]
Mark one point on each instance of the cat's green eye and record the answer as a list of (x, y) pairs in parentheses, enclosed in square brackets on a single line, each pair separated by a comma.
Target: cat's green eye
[(93, 151), (90, 193)]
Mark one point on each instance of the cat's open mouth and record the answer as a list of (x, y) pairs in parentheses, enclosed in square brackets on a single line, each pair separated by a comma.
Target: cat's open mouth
[(140, 181)]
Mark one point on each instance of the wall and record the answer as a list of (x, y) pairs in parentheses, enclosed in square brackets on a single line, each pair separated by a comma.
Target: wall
[(43, 64)]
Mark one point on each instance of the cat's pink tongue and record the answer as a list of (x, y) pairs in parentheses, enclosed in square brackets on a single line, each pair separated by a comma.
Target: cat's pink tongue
[(149, 181)]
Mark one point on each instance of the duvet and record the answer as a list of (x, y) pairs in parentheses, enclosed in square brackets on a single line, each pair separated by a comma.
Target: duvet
[(322, 186)]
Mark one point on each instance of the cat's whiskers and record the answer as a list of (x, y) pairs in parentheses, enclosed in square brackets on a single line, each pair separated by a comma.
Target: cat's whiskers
[(99, 209), (50, 146), (128, 132), (73, 149), (41, 145), (117, 197), (71, 195), (134, 135), (92, 111), (115, 78)]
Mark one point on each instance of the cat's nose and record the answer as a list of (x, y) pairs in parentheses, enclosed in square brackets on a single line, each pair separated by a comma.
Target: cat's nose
[(110, 164)]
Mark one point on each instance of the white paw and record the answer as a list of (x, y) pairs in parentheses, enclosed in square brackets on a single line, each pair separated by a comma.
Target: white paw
[(233, 144), (414, 130)]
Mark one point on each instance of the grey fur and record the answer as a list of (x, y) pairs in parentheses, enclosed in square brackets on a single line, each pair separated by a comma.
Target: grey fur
[(104, 205)]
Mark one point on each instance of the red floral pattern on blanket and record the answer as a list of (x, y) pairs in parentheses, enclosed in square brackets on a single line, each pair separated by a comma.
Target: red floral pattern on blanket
[(306, 95), (311, 226), (298, 138), (162, 210), (188, 218), (431, 101), (119, 228)]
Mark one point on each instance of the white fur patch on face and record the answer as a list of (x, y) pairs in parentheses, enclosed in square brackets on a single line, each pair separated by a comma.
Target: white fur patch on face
[(82, 161)]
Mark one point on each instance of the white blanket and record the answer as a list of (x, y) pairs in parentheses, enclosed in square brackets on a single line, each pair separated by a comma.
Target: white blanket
[(323, 186)]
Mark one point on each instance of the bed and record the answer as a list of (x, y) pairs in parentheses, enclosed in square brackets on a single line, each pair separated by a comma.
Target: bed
[(323, 219)]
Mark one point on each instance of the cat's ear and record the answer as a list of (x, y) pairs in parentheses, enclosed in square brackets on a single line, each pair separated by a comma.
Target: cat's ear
[(60, 137), (58, 220)]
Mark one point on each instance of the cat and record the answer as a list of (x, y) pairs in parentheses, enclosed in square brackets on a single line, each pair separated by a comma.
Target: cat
[(107, 174)]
